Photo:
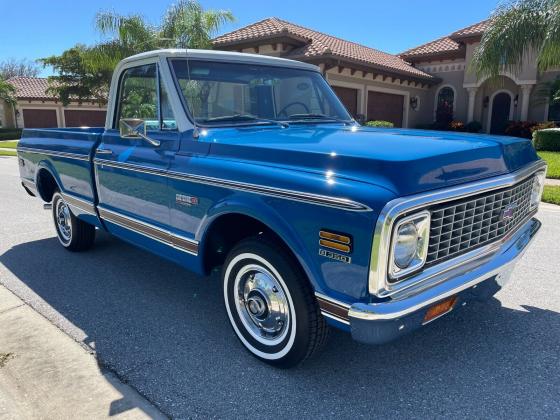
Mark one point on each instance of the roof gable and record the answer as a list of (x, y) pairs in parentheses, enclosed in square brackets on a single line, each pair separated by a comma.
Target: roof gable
[(316, 44), (450, 46)]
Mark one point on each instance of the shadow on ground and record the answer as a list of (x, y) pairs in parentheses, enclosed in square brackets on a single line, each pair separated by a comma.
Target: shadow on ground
[(165, 331)]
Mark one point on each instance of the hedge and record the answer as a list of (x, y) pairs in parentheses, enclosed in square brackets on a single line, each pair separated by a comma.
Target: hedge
[(383, 124), (548, 139), (10, 133)]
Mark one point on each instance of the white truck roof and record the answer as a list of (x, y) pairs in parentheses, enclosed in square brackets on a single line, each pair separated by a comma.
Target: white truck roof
[(222, 56)]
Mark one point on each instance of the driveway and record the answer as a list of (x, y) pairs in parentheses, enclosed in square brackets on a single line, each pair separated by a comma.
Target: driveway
[(165, 332)]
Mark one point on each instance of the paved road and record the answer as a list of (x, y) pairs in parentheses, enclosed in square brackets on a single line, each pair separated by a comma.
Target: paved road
[(165, 331)]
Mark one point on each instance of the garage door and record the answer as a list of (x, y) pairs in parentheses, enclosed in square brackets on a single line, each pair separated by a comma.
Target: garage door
[(385, 107), (39, 118), (83, 118), (349, 98)]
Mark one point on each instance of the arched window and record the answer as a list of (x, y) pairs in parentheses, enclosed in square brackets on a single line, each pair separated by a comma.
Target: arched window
[(444, 108)]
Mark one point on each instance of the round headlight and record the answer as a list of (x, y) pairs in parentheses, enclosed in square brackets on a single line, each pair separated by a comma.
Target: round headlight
[(537, 190), (406, 245)]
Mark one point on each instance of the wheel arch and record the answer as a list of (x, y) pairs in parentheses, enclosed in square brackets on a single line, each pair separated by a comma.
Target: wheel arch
[(250, 218), (46, 181)]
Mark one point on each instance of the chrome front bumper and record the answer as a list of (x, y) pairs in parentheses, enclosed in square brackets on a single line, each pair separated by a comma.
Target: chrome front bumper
[(479, 279)]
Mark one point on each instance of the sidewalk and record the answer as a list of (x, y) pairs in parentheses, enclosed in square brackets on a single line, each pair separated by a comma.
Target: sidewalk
[(45, 374), (552, 181)]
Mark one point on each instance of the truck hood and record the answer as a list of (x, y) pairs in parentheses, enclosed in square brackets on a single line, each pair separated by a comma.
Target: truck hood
[(401, 160)]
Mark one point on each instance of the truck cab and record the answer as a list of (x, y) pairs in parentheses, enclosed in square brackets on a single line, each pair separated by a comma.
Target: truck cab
[(252, 166)]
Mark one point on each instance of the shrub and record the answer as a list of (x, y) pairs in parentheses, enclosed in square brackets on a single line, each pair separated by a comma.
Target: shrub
[(548, 139), (473, 127), (525, 128), (456, 126), (383, 124), (520, 129), (10, 133)]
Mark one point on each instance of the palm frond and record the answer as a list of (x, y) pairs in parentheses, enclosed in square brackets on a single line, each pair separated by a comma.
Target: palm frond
[(519, 30)]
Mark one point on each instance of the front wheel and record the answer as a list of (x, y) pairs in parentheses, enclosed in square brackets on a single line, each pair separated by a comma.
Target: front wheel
[(74, 234), (270, 303)]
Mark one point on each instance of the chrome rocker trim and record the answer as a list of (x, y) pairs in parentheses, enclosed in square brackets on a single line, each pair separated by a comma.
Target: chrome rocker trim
[(453, 282), (74, 156), (318, 199), (377, 283), (153, 232), (79, 204)]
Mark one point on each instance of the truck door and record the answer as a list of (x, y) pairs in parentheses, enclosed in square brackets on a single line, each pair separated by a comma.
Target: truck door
[(131, 170)]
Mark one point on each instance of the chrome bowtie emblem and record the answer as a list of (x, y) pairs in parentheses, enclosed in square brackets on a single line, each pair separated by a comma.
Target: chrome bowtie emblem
[(508, 212)]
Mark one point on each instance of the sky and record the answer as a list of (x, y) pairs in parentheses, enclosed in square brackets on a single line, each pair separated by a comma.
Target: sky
[(32, 29)]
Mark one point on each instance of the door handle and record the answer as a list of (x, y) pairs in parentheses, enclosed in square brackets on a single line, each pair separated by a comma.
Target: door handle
[(103, 151)]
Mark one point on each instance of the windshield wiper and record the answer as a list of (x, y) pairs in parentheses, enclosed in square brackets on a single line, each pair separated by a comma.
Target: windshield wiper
[(249, 118), (311, 116)]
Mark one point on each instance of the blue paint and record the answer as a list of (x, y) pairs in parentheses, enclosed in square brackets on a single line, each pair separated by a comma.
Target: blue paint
[(365, 165)]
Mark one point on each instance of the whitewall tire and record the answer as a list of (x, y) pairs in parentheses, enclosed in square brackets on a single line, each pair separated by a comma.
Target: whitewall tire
[(73, 234), (270, 303)]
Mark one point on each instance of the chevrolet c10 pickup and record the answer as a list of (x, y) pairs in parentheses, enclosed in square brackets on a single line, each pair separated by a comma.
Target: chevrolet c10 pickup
[(252, 165)]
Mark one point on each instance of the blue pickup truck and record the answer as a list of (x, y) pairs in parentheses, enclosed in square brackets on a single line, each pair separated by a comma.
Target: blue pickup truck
[(251, 164)]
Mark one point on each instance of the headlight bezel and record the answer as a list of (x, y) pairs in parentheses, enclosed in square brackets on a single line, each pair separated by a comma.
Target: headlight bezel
[(538, 182), (421, 221)]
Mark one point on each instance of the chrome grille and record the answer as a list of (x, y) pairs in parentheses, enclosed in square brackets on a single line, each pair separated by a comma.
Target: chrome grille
[(463, 225)]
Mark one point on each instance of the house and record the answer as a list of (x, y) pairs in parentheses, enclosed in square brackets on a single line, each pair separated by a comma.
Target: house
[(418, 87), (36, 108)]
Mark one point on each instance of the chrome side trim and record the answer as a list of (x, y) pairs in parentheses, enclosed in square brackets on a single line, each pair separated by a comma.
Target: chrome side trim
[(332, 308), (153, 232), (377, 283), (74, 156), (318, 199), (29, 184), (83, 205)]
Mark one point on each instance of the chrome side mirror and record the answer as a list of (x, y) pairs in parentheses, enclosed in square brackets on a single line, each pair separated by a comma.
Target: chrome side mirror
[(133, 128)]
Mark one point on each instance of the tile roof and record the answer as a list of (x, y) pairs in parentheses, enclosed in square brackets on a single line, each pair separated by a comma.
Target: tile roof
[(448, 44), (31, 88), (317, 44), (439, 46), (473, 30)]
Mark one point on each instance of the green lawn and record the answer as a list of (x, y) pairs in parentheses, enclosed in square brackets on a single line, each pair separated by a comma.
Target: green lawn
[(553, 161), (551, 194), (8, 144)]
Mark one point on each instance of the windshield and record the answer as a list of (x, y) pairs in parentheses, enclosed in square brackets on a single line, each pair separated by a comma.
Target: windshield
[(219, 93)]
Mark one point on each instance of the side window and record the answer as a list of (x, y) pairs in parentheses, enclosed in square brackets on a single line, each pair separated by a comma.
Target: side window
[(168, 121), (138, 95), (138, 98)]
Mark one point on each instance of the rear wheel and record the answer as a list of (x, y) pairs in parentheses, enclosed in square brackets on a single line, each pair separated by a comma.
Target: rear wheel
[(74, 234), (270, 304)]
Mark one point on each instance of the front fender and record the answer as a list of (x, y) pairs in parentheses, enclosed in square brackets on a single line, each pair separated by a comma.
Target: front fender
[(257, 208)]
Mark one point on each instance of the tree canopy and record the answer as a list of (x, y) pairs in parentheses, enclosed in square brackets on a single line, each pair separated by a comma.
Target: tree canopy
[(84, 72), (519, 29)]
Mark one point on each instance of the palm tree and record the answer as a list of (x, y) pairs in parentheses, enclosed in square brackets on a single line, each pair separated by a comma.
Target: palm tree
[(187, 25), (128, 35), (519, 28), (7, 94)]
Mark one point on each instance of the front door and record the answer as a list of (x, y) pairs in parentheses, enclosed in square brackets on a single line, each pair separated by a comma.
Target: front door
[(501, 106), (131, 172)]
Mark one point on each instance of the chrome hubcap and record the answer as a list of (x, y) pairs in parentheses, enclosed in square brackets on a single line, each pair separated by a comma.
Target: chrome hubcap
[(63, 220), (262, 304)]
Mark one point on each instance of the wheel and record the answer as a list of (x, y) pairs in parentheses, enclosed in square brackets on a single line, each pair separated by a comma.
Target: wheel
[(270, 303), (74, 234)]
